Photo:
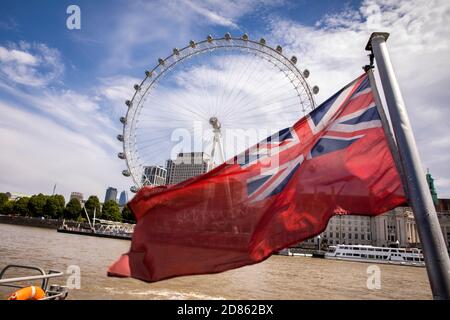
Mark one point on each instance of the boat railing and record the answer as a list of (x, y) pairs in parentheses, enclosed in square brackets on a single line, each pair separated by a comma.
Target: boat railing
[(54, 292)]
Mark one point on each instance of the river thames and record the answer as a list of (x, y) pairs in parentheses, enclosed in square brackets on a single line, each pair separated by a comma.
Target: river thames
[(279, 277)]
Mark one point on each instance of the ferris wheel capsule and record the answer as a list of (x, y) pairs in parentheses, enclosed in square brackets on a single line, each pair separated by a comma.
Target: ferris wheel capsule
[(262, 41), (148, 74), (279, 49), (192, 44), (209, 38), (121, 155), (128, 103), (245, 37), (294, 59), (120, 137), (126, 173), (137, 87), (176, 51), (123, 120), (161, 61), (134, 189), (227, 36), (306, 73), (315, 89)]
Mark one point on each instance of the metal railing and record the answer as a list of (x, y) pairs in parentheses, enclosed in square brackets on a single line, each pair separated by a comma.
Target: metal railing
[(55, 292)]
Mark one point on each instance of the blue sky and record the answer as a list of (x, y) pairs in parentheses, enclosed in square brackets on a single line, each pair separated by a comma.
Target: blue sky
[(62, 91)]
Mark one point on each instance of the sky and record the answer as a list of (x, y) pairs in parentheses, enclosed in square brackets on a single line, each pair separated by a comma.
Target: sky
[(62, 91)]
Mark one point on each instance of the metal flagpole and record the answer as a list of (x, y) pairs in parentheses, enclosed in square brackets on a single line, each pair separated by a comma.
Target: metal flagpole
[(387, 130), (436, 257)]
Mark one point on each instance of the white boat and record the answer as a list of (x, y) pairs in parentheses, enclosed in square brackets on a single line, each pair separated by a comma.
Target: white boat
[(288, 252), (285, 252), (361, 253)]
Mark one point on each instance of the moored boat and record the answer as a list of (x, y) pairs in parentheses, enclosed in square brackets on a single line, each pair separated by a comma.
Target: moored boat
[(364, 253)]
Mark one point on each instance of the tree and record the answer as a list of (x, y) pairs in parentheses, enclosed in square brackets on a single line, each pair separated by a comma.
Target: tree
[(54, 207), (92, 204), (127, 215), (36, 205), (4, 206), (51, 208), (111, 211), (3, 199), (7, 208), (20, 206), (61, 202), (73, 209)]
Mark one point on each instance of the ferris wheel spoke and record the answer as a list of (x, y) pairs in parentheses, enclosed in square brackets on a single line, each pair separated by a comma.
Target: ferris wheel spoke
[(244, 105), (235, 81), (261, 92), (237, 84)]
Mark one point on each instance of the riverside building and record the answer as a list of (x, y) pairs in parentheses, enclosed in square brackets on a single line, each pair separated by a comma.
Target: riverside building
[(186, 165), (154, 176)]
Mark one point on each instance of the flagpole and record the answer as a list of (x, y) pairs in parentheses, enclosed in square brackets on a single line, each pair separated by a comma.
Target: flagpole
[(433, 245), (387, 129)]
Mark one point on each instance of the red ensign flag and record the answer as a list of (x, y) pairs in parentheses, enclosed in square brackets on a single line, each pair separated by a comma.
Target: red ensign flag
[(336, 160)]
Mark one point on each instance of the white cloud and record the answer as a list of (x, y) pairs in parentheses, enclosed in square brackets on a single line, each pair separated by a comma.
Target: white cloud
[(150, 29), (30, 64), (115, 90), (420, 50), (210, 15), (41, 152)]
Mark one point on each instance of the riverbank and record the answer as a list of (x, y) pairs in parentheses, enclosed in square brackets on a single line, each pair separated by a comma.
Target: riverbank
[(30, 221)]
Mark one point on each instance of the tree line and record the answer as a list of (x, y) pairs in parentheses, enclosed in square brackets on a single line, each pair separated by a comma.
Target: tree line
[(55, 207)]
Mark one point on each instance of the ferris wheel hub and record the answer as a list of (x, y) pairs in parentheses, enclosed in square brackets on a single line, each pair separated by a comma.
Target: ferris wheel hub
[(214, 122)]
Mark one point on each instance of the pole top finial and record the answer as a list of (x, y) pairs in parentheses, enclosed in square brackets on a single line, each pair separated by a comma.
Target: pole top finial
[(385, 35)]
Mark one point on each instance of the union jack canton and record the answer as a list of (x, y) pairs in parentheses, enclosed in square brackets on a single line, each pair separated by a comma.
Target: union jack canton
[(331, 127)]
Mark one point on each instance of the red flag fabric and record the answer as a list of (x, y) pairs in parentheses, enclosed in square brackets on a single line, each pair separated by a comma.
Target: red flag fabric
[(336, 160)]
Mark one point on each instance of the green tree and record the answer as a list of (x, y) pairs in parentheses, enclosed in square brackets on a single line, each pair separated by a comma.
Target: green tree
[(92, 204), (54, 207), (51, 208), (36, 205), (3, 199), (127, 215), (7, 208), (72, 210), (4, 203), (20, 206), (111, 211)]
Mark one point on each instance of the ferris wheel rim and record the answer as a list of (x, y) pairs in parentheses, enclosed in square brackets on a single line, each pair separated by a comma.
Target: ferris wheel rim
[(226, 42)]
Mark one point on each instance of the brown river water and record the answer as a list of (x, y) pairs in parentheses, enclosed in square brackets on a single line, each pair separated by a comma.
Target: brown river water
[(279, 277)]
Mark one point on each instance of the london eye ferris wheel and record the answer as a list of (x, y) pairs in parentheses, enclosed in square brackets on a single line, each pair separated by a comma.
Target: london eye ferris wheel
[(200, 91)]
